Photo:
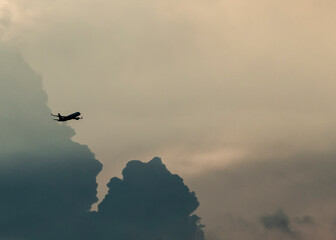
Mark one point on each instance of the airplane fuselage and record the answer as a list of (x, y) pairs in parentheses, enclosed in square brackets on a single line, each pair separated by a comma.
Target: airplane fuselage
[(74, 116)]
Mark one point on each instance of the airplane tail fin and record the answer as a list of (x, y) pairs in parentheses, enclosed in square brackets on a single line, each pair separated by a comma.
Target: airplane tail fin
[(60, 117)]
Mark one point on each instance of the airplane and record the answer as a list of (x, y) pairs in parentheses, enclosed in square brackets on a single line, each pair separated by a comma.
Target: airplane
[(74, 116)]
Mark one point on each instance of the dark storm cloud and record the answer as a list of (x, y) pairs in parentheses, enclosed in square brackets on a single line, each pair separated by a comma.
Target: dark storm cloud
[(149, 203), (48, 182)]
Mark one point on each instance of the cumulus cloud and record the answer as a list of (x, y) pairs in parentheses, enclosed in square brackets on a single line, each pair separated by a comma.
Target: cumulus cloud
[(149, 203), (48, 182)]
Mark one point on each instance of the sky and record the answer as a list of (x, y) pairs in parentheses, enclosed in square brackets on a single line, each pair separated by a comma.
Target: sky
[(235, 96)]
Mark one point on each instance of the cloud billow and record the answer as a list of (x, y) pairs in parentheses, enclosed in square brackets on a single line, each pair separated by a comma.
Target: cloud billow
[(149, 203), (48, 182)]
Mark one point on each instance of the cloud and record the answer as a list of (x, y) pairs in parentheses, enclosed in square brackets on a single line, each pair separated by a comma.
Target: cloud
[(48, 182), (301, 185), (149, 203), (239, 92), (298, 228), (305, 220), (276, 221)]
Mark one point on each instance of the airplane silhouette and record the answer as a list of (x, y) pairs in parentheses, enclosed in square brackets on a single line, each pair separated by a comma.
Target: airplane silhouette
[(74, 116)]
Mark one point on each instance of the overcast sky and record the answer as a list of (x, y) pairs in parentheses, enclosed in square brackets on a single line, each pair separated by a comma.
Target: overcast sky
[(225, 91)]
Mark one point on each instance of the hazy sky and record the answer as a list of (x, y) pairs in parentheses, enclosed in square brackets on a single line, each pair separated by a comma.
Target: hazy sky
[(209, 86)]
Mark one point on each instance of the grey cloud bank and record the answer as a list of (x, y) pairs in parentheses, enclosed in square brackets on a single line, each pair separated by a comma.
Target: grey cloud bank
[(48, 182)]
